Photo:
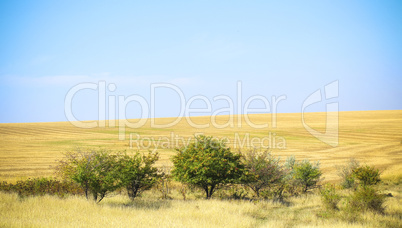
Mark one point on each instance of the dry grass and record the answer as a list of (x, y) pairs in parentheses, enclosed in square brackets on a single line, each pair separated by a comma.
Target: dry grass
[(116, 212), (147, 211), (373, 137)]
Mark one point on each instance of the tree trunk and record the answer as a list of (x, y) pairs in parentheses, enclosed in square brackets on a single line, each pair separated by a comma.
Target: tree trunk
[(132, 191), (101, 197), (86, 190), (209, 191)]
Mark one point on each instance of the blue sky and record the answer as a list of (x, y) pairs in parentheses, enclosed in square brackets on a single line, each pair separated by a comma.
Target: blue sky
[(273, 48)]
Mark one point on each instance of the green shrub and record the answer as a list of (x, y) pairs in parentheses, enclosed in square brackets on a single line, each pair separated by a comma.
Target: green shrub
[(306, 174), (366, 198), (96, 171), (329, 197), (346, 174), (367, 175), (136, 173), (42, 186), (207, 163), (289, 184)]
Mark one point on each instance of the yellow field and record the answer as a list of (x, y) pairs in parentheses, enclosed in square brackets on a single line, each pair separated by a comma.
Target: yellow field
[(372, 137)]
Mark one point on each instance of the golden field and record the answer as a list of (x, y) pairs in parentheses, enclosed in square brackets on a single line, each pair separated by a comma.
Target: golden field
[(372, 137)]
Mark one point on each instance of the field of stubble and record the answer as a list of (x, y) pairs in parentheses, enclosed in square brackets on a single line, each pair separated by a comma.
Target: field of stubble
[(372, 137)]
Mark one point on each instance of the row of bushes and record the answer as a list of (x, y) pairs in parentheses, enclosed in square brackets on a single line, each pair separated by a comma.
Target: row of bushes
[(206, 163), (209, 164), (42, 186)]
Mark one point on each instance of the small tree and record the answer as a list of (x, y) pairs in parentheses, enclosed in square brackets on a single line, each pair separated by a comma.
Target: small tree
[(263, 171), (94, 170), (137, 173), (207, 163), (307, 174)]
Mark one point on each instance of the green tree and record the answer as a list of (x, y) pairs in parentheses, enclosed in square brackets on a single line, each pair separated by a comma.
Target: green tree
[(263, 171), (307, 174), (137, 173), (94, 170), (207, 163)]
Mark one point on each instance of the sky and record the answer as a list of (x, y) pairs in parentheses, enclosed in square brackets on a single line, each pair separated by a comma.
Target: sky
[(172, 51)]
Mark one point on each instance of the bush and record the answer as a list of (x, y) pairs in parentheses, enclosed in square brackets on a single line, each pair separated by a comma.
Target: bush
[(306, 174), (346, 174), (136, 173), (207, 163), (288, 183), (329, 197), (366, 198), (42, 186), (367, 175), (263, 171), (233, 192), (163, 185), (94, 170)]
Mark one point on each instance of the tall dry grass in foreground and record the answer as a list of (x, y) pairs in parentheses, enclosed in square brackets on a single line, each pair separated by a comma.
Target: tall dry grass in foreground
[(148, 211)]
